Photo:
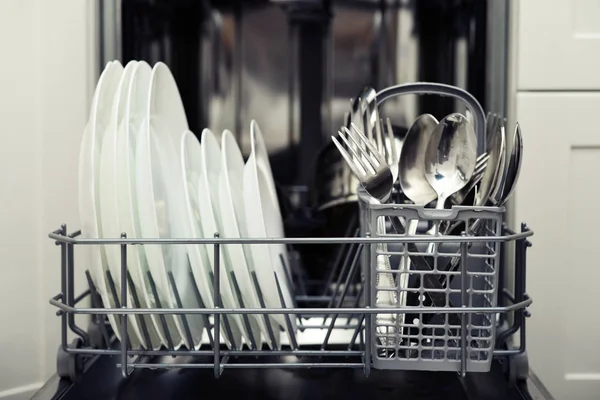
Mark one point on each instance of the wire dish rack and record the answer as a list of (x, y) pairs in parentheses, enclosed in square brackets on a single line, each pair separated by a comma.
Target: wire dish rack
[(442, 319)]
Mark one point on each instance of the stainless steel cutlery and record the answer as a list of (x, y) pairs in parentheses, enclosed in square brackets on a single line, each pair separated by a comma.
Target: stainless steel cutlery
[(438, 161)]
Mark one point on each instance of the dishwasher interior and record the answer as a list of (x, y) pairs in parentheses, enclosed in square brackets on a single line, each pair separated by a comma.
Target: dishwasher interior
[(295, 67)]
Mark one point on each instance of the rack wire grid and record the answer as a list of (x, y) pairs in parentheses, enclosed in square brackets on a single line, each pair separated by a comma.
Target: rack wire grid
[(446, 319)]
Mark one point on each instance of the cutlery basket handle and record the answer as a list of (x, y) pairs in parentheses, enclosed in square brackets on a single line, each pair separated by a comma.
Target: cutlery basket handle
[(442, 90)]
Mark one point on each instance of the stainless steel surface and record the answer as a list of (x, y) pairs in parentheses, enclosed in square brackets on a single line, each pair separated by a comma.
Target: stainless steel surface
[(450, 156), (413, 180), (493, 173), (459, 197), (367, 163), (514, 165), (368, 116), (391, 149)]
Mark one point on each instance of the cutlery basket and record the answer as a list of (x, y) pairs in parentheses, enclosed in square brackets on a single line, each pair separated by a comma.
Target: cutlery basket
[(447, 320)]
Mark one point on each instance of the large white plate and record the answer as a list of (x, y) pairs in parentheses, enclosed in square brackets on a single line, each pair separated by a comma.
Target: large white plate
[(135, 110), (263, 220), (161, 201), (259, 149), (107, 195), (233, 217), (89, 157), (210, 223)]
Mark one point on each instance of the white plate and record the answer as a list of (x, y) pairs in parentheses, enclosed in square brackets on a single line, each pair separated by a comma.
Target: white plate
[(191, 169), (89, 156), (233, 217), (107, 195), (135, 110), (259, 149), (262, 220), (210, 222), (161, 201)]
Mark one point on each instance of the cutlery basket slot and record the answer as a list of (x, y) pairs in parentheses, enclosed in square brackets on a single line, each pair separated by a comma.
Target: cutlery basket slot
[(444, 296)]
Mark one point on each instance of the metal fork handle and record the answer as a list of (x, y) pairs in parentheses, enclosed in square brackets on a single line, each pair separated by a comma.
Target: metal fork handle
[(442, 90)]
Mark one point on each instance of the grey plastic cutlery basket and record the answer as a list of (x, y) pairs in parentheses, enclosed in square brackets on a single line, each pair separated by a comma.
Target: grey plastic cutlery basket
[(452, 319)]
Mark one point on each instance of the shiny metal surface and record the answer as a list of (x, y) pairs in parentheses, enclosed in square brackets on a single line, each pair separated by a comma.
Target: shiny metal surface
[(496, 148), (450, 156), (514, 166), (459, 197), (367, 163), (413, 180)]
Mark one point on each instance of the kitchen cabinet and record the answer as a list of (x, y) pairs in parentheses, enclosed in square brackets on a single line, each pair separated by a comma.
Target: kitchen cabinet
[(557, 190), (558, 44)]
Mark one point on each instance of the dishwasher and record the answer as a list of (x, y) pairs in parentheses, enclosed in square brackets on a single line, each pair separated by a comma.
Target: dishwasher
[(297, 65)]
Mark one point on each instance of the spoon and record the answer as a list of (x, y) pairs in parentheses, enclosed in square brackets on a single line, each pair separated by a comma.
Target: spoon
[(450, 156), (513, 169), (413, 180), (414, 184)]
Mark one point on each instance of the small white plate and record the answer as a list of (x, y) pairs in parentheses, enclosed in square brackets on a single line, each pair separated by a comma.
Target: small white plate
[(233, 217), (191, 169), (161, 201), (259, 149), (135, 110), (107, 195), (89, 155), (263, 220), (211, 223)]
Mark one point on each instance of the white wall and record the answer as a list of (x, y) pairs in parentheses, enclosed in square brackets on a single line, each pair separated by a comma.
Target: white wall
[(47, 71)]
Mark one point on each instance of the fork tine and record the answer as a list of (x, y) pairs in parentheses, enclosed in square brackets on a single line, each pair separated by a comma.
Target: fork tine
[(483, 159), (392, 140), (347, 157), (369, 145), (480, 169), (362, 159)]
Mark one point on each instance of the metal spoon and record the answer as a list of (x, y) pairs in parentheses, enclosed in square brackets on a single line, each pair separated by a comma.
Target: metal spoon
[(450, 156), (514, 167), (413, 180)]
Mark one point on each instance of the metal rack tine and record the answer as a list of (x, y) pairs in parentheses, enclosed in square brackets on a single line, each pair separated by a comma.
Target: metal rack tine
[(184, 320), (357, 331), (357, 303), (162, 317), (340, 252), (139, 317), (345, 267), (350, 275), (261, 301), (245, 318), (113, 290), (287, 276), (288, 321), (125, 342), (296, 270), (202, 305), (289, 280), (71, 295), (226, 323), (96, 304)]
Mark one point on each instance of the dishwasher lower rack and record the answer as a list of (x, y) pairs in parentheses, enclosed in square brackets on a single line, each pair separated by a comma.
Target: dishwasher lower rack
[(452, 319)]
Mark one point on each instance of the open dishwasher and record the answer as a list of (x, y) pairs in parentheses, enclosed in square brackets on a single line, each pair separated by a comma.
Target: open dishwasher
[(295, 65)]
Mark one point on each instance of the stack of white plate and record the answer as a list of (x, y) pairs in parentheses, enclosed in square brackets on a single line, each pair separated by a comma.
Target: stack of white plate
[(142, 172)]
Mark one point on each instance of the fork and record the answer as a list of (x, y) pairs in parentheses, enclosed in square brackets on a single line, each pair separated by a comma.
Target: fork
[(366, 162)]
